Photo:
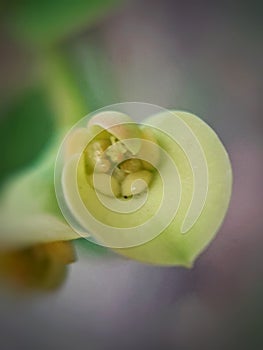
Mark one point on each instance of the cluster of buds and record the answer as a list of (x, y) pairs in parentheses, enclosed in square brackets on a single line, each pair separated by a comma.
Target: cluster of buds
[(111, 160)]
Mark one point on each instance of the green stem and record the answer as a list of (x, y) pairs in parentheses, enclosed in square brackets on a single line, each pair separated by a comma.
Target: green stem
[(62, 88)]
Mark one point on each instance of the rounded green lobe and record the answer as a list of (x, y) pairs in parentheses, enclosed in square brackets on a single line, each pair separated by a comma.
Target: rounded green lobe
[(172, 247)]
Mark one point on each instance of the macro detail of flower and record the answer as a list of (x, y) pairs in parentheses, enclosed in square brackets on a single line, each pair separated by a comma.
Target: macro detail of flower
[(155, 190)]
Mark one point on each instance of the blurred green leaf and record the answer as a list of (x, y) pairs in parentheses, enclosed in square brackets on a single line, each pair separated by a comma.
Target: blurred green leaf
[(25, 128), (31, 132), (66, 97), (29, 212), (94, 73), (45, 22)]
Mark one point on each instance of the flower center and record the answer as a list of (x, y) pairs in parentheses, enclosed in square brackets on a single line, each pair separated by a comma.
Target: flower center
[(114, 170)]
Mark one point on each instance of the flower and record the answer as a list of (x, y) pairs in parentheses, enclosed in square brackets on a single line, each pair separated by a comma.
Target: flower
[(165, 214)]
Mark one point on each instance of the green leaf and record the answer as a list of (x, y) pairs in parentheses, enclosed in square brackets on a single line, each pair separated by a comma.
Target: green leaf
[(25, 129), (45, 22), (29, 212), (31, 132), (94, 73)]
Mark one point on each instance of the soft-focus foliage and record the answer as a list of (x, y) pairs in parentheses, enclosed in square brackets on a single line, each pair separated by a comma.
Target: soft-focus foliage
[(26, 128), (35, 117), (45, 22)]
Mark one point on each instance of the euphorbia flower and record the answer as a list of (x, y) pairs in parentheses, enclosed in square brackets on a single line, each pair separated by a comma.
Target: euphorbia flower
[(155, 191)]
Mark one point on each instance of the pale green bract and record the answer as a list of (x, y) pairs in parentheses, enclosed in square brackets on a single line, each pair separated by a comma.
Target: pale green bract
[(172, 247)]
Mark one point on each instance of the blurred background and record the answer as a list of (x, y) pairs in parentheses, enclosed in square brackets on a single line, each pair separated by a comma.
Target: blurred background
[(60, 59)]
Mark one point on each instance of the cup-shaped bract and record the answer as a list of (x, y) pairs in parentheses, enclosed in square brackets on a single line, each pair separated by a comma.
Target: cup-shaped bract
[(158, 190)]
